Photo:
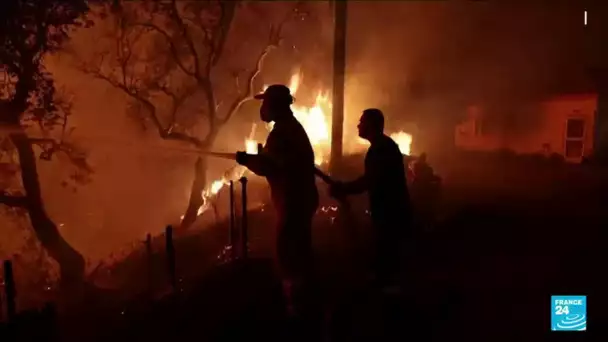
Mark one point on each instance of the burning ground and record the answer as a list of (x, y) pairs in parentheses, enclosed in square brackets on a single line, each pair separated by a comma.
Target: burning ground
[(317, 123), (128, 159), (491, 242)]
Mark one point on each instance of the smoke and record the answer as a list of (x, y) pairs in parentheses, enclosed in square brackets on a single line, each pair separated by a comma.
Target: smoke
[(424, 62), (138, 190)]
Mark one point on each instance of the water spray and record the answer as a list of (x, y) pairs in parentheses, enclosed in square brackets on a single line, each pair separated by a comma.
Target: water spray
[(222, 155)]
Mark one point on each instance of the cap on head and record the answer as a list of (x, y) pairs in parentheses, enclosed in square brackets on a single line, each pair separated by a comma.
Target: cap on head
[(276, 93)]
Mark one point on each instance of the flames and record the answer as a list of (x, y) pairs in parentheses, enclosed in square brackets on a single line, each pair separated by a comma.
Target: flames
[(314, 120), (317, 123), (231, 174), (404, 140)]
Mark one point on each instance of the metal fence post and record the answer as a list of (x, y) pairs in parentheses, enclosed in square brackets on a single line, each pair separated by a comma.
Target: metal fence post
[(244, 232), (10, 291), (170, 250), (232, 233)]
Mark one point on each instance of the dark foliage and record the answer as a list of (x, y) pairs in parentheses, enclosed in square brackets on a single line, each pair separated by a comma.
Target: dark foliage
[(29, 30)]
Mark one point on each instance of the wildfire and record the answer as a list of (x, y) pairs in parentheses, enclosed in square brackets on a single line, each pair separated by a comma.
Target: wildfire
[(404, 140), (317, 123), (231, 174)]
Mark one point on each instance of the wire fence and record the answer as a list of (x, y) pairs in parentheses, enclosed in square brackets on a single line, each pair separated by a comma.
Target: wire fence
[(19, 326)]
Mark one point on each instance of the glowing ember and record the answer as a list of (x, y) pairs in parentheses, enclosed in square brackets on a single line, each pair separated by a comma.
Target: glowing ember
[(317, 123)]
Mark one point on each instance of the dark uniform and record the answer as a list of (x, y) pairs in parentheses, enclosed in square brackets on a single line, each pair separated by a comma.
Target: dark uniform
[(287, 162), (386, 184)]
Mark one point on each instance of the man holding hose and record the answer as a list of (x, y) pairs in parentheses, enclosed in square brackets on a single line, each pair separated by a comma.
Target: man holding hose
[(385, 182), (287, 162)]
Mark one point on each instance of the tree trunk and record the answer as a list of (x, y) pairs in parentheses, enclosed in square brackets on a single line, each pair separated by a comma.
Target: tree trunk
[(71, 262), (199, 183), (196, 197)]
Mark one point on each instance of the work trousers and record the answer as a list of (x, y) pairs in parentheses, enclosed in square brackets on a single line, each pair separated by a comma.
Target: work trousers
[(295, 260), (390, 239), (294, 244)]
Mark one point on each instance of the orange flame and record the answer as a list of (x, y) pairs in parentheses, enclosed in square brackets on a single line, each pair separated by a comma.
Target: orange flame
[(316, 120)]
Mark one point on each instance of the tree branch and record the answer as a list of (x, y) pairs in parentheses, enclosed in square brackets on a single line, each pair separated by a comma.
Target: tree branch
[(172, 47), (123, 80), (51, 147), (13, 201), (215, 44), (273, 42), (228, 10), (177, 100), (164, 133), (187, 38)]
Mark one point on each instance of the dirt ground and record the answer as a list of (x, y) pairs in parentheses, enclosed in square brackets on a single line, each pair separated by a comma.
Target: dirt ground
[(508, 235)]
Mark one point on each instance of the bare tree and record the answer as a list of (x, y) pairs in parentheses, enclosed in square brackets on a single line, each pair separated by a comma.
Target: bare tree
[(181, 64), (29, 31)]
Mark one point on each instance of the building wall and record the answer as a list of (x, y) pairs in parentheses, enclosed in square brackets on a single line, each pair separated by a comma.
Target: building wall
[(471, 135), (548, 136)]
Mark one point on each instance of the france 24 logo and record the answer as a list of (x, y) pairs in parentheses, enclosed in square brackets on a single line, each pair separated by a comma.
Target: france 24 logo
[(568, 313)]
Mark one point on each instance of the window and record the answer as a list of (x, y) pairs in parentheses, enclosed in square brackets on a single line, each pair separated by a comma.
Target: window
[(574, 139), (574, 148), (575, 129)]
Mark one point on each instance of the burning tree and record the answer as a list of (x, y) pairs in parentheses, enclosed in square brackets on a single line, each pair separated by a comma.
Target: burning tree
[(181, 65), (29, 102)]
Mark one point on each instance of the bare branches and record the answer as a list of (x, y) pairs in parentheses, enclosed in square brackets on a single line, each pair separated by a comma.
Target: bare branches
[(177, 99), (172, 47), (186, 36), (179, 73), (166, 133), (141, 87), (248, 94), (274, 41), (228, 10), (82, 171)]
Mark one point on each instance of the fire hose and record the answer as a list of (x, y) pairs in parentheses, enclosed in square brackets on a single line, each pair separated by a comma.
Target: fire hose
[(232, 156), (319, 173), (346, 213), (222, 155)]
